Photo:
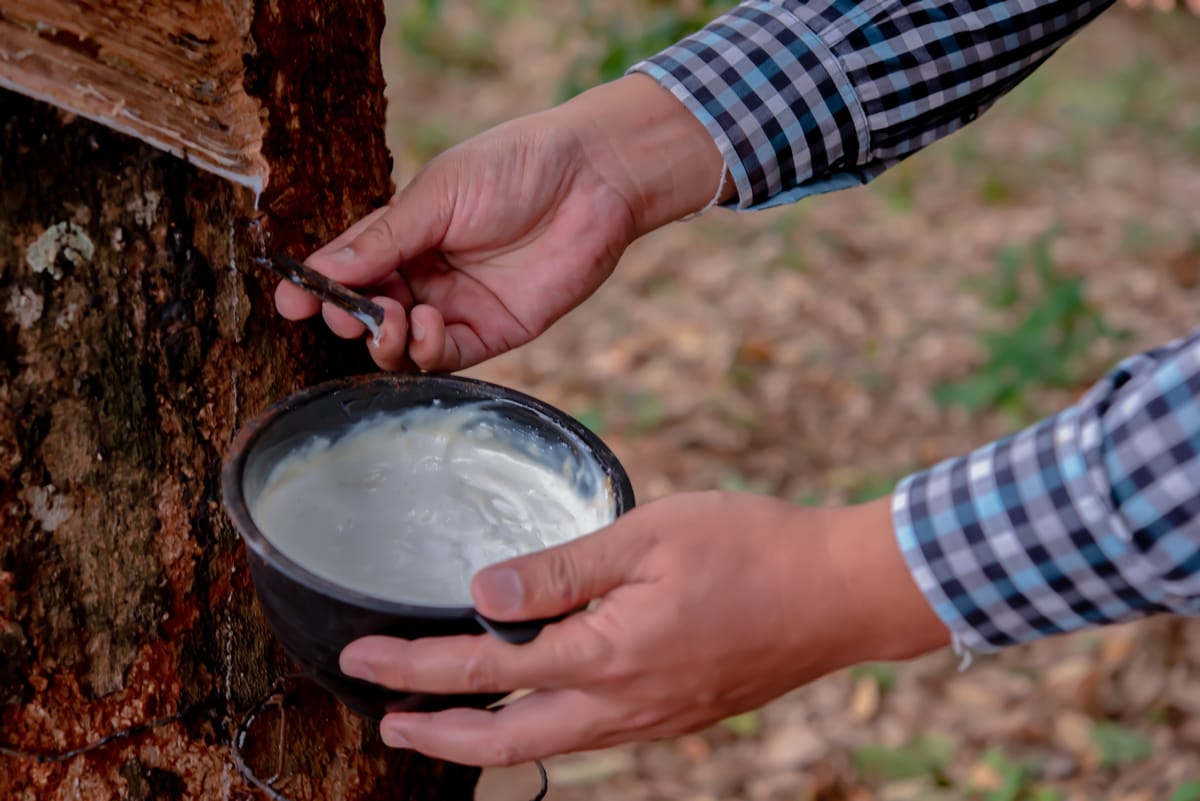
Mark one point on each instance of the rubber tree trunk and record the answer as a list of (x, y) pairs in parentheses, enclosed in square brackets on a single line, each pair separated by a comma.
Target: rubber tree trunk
[(136, 333)]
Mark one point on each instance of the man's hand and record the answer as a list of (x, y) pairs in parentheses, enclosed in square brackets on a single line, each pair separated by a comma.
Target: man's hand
[(710, 605), (504, 234)]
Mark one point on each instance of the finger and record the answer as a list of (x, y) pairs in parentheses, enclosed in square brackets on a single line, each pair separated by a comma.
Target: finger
[(416, 222), (341, 322), (564, 578), (440, 347), (536, 727), (294, 303), (396, 287), (561, 656), (430, 349), (390, 348), (350, 234)]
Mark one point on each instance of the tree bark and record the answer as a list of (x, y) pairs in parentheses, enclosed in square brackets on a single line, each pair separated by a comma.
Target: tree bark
[(136, 334)]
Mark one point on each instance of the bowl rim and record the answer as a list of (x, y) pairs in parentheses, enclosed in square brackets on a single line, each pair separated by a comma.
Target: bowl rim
[(247, 436)]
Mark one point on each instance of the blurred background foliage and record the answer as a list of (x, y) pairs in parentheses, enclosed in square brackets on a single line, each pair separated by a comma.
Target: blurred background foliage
[(821, 351)]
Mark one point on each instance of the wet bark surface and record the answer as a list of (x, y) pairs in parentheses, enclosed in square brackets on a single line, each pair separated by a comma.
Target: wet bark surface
[(136, 334)]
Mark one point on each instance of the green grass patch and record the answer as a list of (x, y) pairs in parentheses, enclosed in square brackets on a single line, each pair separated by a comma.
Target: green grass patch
[(811, 498), (427, 139), (648, 413), (898, 186), (593, 420), (1120, 745), (998, 187), (883, 673), (1012, 777), (736, 482), (745, 725), (872, 488), (1046, 348), (1191, 141), (928, 754), (624, 39), (1188, 791), (424, 33)]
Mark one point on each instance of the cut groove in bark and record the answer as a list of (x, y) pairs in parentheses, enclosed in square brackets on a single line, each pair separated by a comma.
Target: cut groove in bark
[(170, 74)]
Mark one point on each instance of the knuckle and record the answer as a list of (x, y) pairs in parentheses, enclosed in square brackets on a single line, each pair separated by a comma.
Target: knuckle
[(394, 674), (597, 656), (646, 542), (479, 674), (707, 697), (576, 653), (564, 577), (377, 235), (387, 227), (622, 665), (622, 668), (389, 356), (502, 754), (647, 718), (616, 671)]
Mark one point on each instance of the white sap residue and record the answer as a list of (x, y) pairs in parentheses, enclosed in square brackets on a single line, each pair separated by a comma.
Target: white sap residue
[(409, 507), (234, 279)]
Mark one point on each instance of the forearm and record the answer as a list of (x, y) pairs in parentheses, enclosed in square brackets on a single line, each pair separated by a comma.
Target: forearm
[(649, 147), (885, 615)]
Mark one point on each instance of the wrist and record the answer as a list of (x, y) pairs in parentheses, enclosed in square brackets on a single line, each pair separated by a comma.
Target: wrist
[(887, 614), (649, 148)]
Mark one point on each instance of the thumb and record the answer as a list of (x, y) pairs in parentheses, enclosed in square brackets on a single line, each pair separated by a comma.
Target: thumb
[(560, 579), (414, 221)]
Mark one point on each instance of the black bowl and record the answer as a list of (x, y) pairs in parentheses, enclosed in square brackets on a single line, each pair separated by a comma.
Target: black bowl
[(314, 618)]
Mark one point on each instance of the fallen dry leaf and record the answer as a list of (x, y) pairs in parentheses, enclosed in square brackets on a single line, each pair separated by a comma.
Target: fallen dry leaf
[(1073, 734), (864, 703)]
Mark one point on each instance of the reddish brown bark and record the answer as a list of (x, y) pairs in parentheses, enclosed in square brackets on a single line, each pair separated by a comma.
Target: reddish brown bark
[(135, 335)]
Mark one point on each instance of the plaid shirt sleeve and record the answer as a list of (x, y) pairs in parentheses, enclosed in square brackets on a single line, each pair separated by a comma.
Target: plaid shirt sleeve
[(1088, 518), (809, 96)]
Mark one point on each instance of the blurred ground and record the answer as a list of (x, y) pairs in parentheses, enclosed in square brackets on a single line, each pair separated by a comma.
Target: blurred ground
[(822, 351)]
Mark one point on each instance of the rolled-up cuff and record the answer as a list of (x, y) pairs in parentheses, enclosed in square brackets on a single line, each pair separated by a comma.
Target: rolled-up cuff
[(775, 100), (1087, 518)]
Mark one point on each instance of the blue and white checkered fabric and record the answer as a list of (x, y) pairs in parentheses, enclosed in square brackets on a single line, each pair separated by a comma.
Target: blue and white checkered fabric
[(1087, 518), (1090, 517), (809, 97)]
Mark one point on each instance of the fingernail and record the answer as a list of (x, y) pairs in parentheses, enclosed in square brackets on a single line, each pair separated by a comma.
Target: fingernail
[(357, 669), (501, 588), (392, 737), (345, 254), (418, 331)]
